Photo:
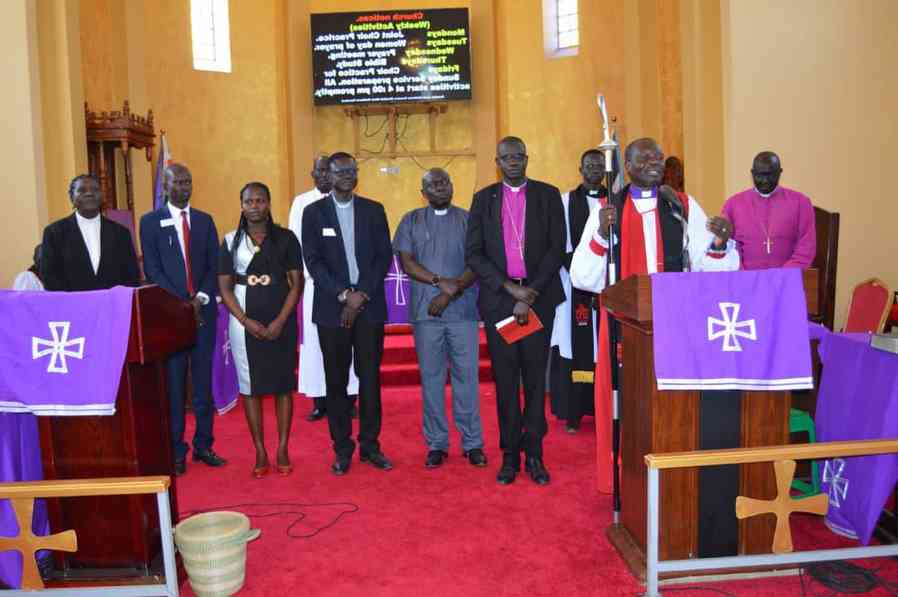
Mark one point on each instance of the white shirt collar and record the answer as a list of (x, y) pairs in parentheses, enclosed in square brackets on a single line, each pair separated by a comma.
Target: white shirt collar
[(514, 189), (346, 205), (82, 221), (645, 205), (441, 212), (176, 211), (767, 196)]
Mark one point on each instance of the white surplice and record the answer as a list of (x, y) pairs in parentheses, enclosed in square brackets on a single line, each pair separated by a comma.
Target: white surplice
[(311, 361)]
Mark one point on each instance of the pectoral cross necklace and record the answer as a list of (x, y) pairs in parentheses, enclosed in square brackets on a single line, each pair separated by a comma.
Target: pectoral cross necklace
[(765, 228), (519, 236)]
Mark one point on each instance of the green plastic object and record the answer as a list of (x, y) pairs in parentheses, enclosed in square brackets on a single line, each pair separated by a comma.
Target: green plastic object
[(801, 421)]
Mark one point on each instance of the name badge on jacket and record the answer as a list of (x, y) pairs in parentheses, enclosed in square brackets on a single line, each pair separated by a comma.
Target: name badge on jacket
[(166, 222), (328, 232)]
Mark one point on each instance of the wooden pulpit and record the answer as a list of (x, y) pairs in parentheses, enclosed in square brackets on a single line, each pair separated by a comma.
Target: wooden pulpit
[(696, 507), (121, 532)]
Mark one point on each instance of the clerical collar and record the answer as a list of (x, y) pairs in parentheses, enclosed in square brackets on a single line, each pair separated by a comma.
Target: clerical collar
[(767, 196), (514, 189), (441, 212), (346, 205), (88, 221), (594, 192), (640, 193)]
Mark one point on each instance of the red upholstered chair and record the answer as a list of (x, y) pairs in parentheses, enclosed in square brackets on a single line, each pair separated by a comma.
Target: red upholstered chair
[(871, 301), (892, 321)]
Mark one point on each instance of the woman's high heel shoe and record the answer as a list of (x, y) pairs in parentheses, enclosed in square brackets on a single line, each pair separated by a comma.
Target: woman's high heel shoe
[(260, 471), (285, 469)]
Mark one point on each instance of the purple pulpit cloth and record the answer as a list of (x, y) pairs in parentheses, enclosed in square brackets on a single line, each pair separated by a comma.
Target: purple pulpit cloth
[(857, 400), (61, 353), (225, 387), (744, 330), (20, 460), (396, 286)]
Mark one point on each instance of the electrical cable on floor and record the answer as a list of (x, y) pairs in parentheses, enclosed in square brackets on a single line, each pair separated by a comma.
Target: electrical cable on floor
[(846, 578), (350, 509)]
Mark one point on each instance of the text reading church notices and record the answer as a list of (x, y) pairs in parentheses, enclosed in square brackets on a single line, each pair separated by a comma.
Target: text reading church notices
[(409, 55)]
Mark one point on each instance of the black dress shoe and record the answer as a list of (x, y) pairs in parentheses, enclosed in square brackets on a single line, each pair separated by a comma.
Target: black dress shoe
[(377, 460), (435, 458), (476, 457), (537, 470), (506, 475), (316, 415), (180, 467), (340, 466), (209, 457)]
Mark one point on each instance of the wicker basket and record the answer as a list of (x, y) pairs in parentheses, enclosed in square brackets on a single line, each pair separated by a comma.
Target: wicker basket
[(213, 548)]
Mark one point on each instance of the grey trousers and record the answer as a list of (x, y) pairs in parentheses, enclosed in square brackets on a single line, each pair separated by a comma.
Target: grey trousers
[(452, 344)]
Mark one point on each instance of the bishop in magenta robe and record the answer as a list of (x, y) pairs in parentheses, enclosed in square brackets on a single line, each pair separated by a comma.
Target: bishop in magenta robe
[(774, 225)]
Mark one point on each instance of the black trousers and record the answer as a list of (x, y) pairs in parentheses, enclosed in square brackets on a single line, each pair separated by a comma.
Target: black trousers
[(525, 359), (366, 338)]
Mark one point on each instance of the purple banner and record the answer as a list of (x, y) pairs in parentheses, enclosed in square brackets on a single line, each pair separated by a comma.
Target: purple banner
[(20, 460), (744, 330), (857, 400), (396, 286), (61, 353), (225, 387)]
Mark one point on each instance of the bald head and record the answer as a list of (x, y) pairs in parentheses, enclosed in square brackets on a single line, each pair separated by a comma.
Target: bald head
[(766, 171), (177, 185), (511, 158), (319, 173), (436, 187), (644, 162)]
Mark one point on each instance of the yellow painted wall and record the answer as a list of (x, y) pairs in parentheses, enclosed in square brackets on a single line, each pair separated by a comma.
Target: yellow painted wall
[(551, 102), (228, 128), (815, 81), (21, 160)]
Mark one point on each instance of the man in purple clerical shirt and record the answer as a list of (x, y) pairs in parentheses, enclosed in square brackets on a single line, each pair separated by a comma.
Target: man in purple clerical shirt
[(515, 244), (774, 226)]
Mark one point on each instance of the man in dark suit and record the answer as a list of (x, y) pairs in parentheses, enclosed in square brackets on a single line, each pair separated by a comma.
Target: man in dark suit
[(86, 251), (346, 245), (180, 254), (515, 245)]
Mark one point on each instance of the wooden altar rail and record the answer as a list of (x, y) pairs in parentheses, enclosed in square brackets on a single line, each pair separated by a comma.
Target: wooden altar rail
[(22, 496), (784, 458)]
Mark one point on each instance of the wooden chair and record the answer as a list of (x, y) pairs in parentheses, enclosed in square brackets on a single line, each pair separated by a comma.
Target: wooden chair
[(826, 261), (869, 307)]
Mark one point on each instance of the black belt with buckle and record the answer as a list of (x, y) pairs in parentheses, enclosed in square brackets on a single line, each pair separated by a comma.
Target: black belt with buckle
[(254, 280)]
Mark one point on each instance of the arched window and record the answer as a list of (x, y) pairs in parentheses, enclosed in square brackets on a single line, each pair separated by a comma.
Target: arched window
[(561, 28), (211, 31)]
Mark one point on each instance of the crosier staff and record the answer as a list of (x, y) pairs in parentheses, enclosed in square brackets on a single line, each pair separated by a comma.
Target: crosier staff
[(608, 146)]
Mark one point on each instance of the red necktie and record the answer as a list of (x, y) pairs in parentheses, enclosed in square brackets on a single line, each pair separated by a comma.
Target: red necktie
[(185, 231)]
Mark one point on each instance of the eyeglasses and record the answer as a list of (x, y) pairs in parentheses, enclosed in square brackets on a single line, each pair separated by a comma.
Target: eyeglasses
[(346, 171)]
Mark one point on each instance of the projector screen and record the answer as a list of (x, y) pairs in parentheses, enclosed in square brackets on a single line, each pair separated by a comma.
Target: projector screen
[(391, 56)]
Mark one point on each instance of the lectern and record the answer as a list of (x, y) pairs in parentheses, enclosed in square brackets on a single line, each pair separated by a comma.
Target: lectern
[(121, 532), (697, 515)]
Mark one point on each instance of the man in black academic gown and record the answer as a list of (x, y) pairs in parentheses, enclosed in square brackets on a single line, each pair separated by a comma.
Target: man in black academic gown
[(87, 251), (574, 332), (515, 245)]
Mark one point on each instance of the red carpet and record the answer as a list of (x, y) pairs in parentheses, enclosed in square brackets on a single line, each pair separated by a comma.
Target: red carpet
[(451, 531), (400, 362)]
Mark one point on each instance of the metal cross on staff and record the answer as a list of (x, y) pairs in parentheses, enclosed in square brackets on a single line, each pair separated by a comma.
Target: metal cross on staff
[(27, 543), (783, 506)]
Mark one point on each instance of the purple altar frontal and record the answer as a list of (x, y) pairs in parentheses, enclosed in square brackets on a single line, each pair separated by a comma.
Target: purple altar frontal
[(858, 400), (20, 460)]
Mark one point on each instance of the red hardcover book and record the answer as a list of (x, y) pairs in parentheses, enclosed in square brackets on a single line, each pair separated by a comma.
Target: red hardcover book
[(511, 331)]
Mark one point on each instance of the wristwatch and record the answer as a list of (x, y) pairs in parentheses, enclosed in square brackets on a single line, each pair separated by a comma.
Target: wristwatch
[(435, 281)]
